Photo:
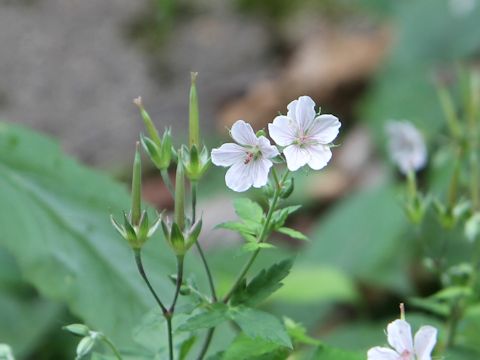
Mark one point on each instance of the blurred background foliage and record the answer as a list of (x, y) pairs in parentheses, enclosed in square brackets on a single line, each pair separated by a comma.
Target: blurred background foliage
[(61, 262)]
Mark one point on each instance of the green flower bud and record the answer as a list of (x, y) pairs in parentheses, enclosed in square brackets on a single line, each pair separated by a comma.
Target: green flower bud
[(196, 163), (161, 155), (151, 129), (194, 232), (194, 130), (177, 240), (180, 196), (85, 346), (261, 133), (287, 188), (77, 329), (136, 187)]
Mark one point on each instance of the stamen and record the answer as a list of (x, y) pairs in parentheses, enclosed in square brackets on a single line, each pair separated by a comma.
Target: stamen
[(249, 157)]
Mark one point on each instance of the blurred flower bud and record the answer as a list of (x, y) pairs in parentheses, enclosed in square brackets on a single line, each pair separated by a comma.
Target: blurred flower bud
[(6, 352), (458, 275), (77, 329), (406, 146), (472, 227), (85, 346), (287, 188), (194, 128), (261, 132), (136, 188), (180, 195), (416, 208)]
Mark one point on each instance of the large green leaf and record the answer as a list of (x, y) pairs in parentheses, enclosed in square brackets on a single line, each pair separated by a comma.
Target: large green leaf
[(25, 318), (54, 220)]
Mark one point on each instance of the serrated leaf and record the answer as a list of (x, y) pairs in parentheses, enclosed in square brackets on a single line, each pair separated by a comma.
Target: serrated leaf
[(254, 246), (247, 209), (280, 216), (258, 324), (207, 318), (295, 234), (240, 227), (264, 284), (244, 347)]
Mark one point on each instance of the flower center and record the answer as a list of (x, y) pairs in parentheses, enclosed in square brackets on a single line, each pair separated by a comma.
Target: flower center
[(406, 355), (303, 139), (251, 155)]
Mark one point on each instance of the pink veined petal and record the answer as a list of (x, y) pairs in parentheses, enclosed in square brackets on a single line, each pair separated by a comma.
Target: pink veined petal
[(243, 133), (424, 342), (320, 155), (296, 157), (324, 129), (228, 154), (238, 177), (381, 353), (260, 170), (400, 336), (268, 151), (305, 112), (283, 130)]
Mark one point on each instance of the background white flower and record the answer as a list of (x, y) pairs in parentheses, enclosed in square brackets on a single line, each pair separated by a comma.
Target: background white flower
[(248, 159), (399, 336), (406, 146), (306, 137)]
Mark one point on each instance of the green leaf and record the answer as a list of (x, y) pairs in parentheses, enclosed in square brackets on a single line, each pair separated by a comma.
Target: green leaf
[(330, 284), (55, 221), (325, 352), (247, 209), (253, 246), (292, 233), (258, 324), (430, 305), (348, 239), (240, 227), (280, 216), (453, 293), (263, 284), (207, 318), (244, 347), (298, 333)]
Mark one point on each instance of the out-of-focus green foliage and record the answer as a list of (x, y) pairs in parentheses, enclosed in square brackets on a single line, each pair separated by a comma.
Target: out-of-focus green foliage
[(54, 222)]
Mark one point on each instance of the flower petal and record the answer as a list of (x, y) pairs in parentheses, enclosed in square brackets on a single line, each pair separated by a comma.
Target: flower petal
[(425, 340), (268, 151), (243, 133), (296, 157), (381, 353), (325, 128), (320, 155), (400, 336), (238, 177), (283, 130), (260, 169), (228, 154), (304, 112)]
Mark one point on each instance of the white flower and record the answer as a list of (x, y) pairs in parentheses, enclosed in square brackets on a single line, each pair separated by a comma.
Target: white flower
[(407, 147), (404, 347), (249, 159), (305, 135)]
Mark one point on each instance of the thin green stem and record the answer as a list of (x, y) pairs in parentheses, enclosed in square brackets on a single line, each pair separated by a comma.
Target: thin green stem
[(211, 283), (179, 283), (112, 347), (170, 337), (206, 344), (167, 181), (141, 270), (261, 238)]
